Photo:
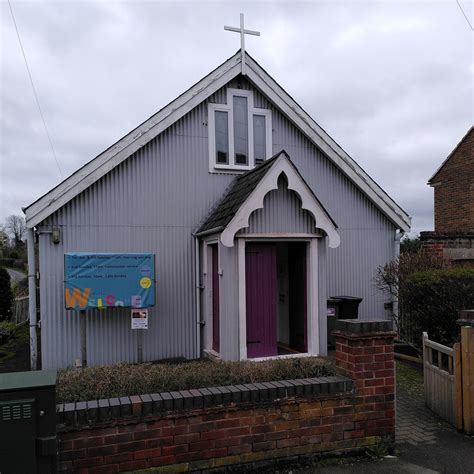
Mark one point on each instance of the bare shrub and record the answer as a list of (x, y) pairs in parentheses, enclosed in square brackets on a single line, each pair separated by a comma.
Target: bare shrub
[(135, 379)]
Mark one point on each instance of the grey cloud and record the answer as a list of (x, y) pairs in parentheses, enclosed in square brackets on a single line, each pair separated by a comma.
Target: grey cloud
[(391, 82)]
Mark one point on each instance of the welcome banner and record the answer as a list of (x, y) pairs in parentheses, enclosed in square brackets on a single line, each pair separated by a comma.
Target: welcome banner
[(104, 280)]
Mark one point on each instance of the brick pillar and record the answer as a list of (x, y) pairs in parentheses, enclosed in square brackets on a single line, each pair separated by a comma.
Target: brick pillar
[(364, 352)]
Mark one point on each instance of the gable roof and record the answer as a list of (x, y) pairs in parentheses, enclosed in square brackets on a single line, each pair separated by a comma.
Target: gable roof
[(239, 190), (157, 123), (431, 181), (247, 192)]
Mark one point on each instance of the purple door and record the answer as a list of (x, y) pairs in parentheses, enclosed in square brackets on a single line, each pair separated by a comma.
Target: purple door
[(261, 295), (215, 300)]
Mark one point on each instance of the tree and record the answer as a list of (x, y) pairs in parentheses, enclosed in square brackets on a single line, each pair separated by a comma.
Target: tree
[(6, 294), (16, 226), (408, 245), (4, 241)]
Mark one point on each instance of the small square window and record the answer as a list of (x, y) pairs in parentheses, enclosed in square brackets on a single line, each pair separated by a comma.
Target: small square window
[(222, 157), (240, 159)]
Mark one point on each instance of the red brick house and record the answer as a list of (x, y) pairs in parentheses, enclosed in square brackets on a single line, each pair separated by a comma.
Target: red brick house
[(453, 185)]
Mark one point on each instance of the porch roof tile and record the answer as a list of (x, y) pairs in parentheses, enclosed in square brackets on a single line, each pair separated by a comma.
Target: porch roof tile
[(238, 191)]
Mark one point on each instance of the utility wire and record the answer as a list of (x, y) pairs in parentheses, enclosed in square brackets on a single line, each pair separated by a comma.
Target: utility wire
[(34, 91), (465, 16)]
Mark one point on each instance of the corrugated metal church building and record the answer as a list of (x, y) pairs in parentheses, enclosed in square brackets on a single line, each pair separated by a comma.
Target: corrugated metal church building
[(255, 217)]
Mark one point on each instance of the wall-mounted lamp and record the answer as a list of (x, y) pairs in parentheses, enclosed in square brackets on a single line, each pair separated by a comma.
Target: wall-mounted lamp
[(56, 235)]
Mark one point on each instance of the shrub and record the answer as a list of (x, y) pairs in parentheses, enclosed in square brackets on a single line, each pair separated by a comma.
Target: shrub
[(135, 379), (13, 263), (7, 329), (393, 276), (432, 298), (20, 288), (14, 254), (6, 294)]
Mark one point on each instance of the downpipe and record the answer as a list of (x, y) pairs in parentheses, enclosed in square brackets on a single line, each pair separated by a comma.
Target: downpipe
[(30, 241)]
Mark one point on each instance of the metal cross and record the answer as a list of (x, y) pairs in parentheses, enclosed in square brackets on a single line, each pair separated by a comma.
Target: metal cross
[(242, 32)]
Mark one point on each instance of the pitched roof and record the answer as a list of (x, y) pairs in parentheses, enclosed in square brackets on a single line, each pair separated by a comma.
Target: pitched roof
[(247, 192), (130, 143), (239, 190), (432, 179)]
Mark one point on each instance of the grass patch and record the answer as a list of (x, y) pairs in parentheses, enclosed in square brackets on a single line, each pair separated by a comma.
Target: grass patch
[(134, 379)]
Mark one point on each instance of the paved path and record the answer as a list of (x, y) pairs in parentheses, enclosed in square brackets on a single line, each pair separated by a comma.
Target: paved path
[(15, 275), (416, 424), (424, 440), (425, 444)]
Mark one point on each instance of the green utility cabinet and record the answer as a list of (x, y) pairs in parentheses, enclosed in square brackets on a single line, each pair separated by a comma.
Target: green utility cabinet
[(28, 422)]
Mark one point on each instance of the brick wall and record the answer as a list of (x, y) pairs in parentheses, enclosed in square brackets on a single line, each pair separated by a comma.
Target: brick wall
[(454, 190), (455, 246), (276, 420)]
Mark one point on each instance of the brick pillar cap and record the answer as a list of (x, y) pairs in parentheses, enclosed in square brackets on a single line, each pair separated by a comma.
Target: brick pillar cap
[(362, 328)]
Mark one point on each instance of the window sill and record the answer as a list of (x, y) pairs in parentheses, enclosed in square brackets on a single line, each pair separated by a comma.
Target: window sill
[(230, 169)]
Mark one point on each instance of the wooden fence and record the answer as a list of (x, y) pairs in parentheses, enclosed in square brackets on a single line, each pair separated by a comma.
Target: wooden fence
[(20, 310), (442, 380)]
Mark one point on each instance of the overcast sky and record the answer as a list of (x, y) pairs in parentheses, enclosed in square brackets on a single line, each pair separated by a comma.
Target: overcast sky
[(391, 82)]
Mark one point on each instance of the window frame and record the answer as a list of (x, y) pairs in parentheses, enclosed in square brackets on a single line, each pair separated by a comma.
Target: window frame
[(215, 167)]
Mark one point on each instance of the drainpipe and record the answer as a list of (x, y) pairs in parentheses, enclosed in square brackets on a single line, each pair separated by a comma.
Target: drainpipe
[(198, 296), (30, 239), (398, 237)]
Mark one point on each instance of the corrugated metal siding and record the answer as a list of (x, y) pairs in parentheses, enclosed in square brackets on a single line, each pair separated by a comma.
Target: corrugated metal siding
[(322, 294), (153, 201), (281, 213), (367, 236), (229, 308)]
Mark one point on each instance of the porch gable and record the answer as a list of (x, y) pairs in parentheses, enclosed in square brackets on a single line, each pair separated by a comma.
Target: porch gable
[(247, 193)]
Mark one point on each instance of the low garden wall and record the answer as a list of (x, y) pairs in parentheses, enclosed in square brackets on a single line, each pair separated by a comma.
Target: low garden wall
[(242, 426)]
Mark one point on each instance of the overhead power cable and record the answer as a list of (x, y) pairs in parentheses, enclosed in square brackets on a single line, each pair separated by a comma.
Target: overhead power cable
[(34, 91), (464, 14)]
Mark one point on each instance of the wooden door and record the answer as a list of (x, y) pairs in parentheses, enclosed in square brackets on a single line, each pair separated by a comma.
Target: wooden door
[(261, 299)]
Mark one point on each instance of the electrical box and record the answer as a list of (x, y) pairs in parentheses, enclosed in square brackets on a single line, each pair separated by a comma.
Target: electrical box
[(28, 422)]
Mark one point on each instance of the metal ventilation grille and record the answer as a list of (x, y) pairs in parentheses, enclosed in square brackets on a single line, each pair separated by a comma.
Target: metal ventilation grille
[(16, 411)]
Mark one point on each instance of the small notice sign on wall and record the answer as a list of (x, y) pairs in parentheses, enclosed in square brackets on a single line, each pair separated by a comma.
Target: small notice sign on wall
[(139, 319)]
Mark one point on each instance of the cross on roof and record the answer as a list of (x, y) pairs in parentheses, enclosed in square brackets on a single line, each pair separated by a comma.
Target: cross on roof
[(242, 32)]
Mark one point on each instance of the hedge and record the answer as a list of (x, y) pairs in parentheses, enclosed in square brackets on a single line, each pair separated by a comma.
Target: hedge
[(6, 294), (431, 299), (13, 263), (136, 379)]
